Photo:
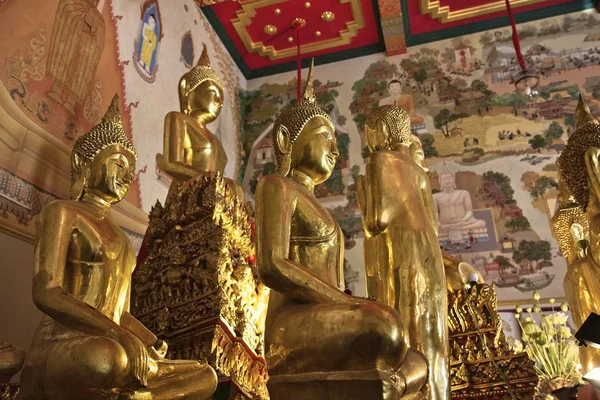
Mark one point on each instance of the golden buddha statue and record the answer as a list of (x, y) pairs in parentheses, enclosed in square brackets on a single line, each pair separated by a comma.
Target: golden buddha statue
[(320, 342), (458, 273), (405, 267), (475, 331), (580, 172), (195, 284), (190, 149), (87, 345)]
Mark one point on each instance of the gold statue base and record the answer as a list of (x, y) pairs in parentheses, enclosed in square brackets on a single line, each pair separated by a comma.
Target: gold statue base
[(347, 385), (197, 290), (482, 365)]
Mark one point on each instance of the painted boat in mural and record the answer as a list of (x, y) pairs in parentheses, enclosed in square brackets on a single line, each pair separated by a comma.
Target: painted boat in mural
[(536, 281), (508, 281)]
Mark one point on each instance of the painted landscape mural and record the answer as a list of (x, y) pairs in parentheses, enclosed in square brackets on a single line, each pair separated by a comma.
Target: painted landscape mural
[(491, 151)]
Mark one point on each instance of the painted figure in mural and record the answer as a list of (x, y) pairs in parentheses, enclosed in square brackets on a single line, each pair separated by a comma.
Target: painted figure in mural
[(579, 168), (313, 328), (148, 43), (453, 207), (404, 101), (75, 49), (190, 149), (87, 344), (403, 259)]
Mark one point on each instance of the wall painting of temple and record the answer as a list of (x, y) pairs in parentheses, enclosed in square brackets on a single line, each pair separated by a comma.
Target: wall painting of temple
[(491, 152)]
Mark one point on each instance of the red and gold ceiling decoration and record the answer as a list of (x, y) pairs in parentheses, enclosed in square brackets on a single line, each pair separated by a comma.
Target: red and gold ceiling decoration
[(428, 16), (263, 30), (262, 35)]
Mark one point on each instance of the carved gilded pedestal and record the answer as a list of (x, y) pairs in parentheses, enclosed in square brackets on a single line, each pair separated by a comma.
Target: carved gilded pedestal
[(481, 363), (197, 290)]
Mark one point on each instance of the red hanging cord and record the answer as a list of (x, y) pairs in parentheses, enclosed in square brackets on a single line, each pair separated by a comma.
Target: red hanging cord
[(515, 36), (298, 60)]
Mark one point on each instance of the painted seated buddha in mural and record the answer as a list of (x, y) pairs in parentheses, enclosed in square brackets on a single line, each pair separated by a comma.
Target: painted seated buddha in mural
[(453, 207), (404, 101), (317, 336)]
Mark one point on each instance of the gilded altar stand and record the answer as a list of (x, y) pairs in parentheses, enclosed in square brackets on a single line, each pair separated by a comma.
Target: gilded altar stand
[(482, 365), (197, 290)]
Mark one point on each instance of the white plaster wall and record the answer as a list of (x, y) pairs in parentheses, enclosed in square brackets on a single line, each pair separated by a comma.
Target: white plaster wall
[(158, 98)]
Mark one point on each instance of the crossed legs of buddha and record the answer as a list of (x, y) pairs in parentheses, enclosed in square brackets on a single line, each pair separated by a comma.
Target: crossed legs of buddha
[(307, 338), (59, 369)]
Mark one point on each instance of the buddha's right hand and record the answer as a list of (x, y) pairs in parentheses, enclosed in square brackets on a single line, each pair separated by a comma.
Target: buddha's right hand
[(137, 355)]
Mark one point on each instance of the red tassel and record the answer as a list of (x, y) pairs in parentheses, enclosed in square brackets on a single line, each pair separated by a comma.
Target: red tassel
[(515, 35)]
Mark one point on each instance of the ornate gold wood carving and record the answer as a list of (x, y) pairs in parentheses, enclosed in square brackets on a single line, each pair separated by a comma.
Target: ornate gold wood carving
[(196, 289), (482, 365)]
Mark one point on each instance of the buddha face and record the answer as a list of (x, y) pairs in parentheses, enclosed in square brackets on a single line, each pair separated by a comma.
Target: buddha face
[(417, 154), (394, 87), (377, 135), (315, 151), (152, 22), (110, 175), (206, 99), (447, 181)]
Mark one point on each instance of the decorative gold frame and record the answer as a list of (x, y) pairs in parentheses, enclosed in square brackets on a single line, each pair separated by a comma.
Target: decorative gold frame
[(248, 11), (445, 14)]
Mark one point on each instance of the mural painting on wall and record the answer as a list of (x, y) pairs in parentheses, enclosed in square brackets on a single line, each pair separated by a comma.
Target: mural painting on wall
[(146, 45), (491, 151), (59, 72)]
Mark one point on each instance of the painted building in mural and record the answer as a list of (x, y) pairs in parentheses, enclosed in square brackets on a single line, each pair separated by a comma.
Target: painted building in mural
[(491, 151)]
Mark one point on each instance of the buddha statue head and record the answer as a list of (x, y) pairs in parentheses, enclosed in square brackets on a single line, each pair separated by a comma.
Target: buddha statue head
[(388, 127), (304, 138), (446, 178), (103, 160), (201, 91), (417, 153), (572, 161)]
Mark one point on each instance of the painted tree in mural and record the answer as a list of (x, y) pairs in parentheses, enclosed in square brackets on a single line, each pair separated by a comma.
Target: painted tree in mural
[(517, 224), (504, 263), (427, 141), (542, 184), (443, 119), (369, 90), (533, 255), (538, 143), (498, 188)]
